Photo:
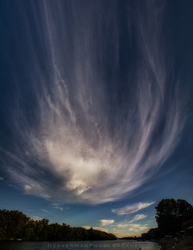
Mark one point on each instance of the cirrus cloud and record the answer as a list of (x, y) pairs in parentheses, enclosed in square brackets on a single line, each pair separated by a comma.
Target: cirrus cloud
[(86, 139), (138, 217), (132, 208)]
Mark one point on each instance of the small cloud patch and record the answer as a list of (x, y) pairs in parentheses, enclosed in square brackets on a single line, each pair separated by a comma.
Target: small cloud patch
[(106, 222)]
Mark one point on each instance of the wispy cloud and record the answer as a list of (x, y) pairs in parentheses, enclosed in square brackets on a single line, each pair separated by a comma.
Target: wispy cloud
[(1, 178), (132, 208), (106, 222), (57, 206), (138, 217), (46, 211), (92, 141)]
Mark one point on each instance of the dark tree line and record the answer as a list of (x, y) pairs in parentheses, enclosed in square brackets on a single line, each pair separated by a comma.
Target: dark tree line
[(16, 225), (172, 216)]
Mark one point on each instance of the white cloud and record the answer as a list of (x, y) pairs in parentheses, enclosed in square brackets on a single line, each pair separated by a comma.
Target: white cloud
[(131, 227), (27, 187), (138, 217), (132, 208), (106, 222), (86, 149), (1, 178)]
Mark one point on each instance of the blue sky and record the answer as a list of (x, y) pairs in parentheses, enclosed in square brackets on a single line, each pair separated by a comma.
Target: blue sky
[(95, 110)]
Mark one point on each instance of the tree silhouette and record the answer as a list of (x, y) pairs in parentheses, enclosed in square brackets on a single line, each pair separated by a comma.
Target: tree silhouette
[(15, 224), (171, 214)]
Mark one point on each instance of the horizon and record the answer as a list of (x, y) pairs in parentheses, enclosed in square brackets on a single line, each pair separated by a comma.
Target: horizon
[(96, 110)]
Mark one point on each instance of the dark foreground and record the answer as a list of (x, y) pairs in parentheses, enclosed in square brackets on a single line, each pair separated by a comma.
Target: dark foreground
[(184, 244)]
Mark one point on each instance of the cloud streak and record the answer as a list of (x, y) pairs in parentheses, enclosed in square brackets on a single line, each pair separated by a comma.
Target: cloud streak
[(58, 206), (46, 211), (138, 217), (132, 208), (87, 131)]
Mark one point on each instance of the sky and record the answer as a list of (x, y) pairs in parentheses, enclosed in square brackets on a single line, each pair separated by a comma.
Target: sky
[(96, 110)]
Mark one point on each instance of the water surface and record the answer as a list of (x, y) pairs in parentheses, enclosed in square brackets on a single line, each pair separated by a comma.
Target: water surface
[(96, 245)]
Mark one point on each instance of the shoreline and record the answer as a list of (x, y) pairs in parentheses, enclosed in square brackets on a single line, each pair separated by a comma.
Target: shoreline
[(184, 243)]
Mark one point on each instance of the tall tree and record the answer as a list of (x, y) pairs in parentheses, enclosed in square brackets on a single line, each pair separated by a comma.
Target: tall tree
[(171, 214)]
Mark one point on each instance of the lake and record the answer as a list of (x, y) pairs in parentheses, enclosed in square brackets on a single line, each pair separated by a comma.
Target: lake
[(82, 245)]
